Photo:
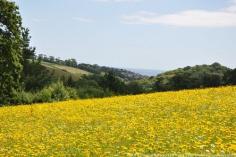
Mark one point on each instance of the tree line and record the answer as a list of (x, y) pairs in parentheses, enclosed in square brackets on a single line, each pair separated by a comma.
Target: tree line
[(95, 69), (200, 76)]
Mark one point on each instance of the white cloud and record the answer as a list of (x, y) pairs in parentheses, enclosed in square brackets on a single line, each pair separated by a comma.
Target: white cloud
[(83, 19), (225, 17)]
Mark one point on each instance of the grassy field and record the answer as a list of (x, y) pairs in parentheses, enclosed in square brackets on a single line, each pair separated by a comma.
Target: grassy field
[(200, 122), (60, 70)]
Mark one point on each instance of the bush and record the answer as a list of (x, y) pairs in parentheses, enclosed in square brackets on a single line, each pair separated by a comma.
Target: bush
[(55, 92), (135, 88), (72, 93), (59, 92), (45, 95), (23, 97), (91, 92)]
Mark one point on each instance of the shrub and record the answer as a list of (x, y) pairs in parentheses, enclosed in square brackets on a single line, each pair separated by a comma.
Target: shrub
[(72, 93), (91, 92), (59, 92), (45, 95), (55, 92), (23, 97)]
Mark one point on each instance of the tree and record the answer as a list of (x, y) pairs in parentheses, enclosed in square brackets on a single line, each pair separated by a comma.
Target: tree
[(180, 81), (10, 50), (114, 84), (159, 85), (135, 88), (37, 77), (71, 62), (230, 77), (69, 82), (28, 56), (28, 51), (51, 59), (212, 80), (40, 58)]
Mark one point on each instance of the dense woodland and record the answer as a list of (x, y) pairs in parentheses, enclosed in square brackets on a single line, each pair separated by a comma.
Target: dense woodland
[(24, 80)]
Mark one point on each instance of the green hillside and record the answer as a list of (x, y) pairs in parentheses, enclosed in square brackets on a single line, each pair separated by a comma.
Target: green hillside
[(199, 76), (65, 71), (192, 77)]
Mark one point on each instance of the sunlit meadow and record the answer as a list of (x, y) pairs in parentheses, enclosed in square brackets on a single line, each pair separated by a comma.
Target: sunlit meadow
[(186, 122)]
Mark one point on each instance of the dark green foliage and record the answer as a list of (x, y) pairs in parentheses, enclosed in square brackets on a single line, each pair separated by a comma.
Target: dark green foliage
[(23, 97), (95, 69), (45, 95), (108, 82), (230, 77), (90, 87), (55, 92), (69, 82), (192, 77), (212, 80), (59, 91), (161, 84), (94, 86), (88, 81), (10, 51), (73, 94), (121, 73), (71, 62), (28, 52), (135, 88), (113, 83), (36, 77), (92, 92)]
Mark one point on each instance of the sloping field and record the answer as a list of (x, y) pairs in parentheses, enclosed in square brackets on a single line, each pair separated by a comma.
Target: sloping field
[(200, 122), (61, 70)]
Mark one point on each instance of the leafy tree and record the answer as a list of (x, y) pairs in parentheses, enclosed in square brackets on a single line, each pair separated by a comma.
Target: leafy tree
[(28, 51), (71, 62), (69, 82), (10, 50), (114, 84), (135, 88), (52, 59), (230, 77), (40, 57), (192, 77), (159, 84), (28, 58), (212, 80)]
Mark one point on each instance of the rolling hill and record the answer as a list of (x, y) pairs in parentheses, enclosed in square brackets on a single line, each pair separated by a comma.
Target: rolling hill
[(146, 72), (125, 75), (87, 69), (65, 71), (189, 77)]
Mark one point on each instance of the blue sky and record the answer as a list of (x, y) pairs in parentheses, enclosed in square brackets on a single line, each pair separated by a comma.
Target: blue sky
[(147, 34)]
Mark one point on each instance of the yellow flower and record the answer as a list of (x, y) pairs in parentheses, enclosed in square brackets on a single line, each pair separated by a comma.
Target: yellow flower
[(179, 123)]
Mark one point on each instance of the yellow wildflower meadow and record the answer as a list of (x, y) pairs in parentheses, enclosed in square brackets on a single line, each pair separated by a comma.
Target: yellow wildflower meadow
[(197, 122)]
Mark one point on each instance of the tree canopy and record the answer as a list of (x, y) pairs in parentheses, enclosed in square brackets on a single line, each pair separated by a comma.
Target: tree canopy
[(10, 50)]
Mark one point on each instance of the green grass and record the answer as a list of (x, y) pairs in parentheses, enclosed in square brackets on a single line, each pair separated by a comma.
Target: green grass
[(61, 70)]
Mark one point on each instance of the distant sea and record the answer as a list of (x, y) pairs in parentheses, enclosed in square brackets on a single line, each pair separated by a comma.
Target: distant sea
[(146, 72)]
